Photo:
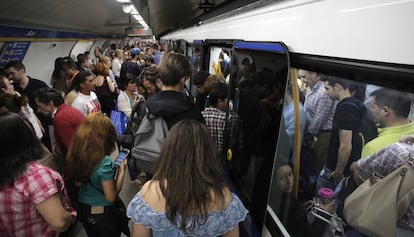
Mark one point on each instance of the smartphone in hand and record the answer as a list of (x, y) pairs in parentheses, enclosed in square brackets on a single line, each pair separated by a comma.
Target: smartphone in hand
[(123, 154)]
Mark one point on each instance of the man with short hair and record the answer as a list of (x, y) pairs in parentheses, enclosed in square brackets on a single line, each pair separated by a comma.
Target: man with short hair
[(226, 135), (171, 102), (156, 53), (66, 119), (345, 144), (319, 111), (390, 109), (25, 85)]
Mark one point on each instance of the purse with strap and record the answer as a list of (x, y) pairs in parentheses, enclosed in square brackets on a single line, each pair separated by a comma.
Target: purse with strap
[(377, 204)]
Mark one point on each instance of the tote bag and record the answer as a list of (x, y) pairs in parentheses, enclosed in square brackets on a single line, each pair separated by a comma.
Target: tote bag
[(377, 204), (120, 120)]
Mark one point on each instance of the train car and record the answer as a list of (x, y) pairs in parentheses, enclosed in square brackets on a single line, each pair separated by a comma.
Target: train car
[(366, 44)]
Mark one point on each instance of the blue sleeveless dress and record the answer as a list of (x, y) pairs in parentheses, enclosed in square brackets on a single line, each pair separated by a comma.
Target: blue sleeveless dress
[(217, 223)]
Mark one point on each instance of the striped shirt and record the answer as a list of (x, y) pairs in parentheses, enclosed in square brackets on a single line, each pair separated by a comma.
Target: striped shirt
[(319, 109)]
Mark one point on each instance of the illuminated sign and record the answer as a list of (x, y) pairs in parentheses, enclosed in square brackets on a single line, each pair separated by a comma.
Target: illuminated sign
[(134, 32)]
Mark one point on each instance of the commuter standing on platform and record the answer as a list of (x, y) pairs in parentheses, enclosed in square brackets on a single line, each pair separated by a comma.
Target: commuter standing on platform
[(25, 85), (89, 162), (188, 195), (33, 199)]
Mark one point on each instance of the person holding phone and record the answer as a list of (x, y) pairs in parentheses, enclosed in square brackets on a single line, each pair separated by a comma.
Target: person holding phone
[(88, 159)]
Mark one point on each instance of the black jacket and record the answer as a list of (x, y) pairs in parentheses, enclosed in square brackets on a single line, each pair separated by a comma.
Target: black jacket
[(173, 106)]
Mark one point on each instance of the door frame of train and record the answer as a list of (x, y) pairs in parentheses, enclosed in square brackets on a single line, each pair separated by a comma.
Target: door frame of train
[(256, 49)]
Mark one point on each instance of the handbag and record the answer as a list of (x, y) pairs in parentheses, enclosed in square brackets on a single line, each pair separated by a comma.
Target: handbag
[(377, 204), (119, 119)]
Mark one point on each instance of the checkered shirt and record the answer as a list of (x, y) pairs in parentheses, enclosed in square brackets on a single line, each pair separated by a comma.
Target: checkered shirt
[(18, 215)]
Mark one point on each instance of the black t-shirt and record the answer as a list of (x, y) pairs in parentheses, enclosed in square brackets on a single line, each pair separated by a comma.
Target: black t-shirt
[(31, 88), (346, 117)]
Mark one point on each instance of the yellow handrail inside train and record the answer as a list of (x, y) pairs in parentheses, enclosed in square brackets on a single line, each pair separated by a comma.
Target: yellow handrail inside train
[(297, 145)]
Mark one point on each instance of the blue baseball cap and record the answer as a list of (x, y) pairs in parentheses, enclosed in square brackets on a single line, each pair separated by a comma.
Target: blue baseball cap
[(135, 51)]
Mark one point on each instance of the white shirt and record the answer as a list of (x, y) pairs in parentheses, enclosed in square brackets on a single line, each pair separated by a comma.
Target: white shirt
[(86, 103)]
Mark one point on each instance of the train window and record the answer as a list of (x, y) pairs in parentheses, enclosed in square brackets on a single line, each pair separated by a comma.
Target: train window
[(220, 62), (333, 113)]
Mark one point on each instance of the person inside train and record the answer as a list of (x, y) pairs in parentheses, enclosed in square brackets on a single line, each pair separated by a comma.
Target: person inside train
[(89, 161), (85, 100), (319, 109), (289, 118), (226, 132), (104, 87), (345, 144), (33, 198), (292, 212), (390, 109), (384, 162), (188, 194)]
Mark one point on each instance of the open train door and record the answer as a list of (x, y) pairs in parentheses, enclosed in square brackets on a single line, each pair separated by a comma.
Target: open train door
[(258, 80)]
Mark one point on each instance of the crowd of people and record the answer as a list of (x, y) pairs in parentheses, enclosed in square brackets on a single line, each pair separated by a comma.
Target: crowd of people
[(81, 183), (189, 192)]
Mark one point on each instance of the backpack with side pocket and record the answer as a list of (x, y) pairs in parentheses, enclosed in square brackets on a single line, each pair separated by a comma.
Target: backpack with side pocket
[(148, 141), (367, 129)]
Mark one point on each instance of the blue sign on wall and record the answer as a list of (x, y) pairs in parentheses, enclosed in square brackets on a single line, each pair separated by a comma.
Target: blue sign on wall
[(14, 51)]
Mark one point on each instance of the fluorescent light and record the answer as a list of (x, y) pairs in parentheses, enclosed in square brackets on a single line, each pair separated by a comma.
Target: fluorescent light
[(123, 1), (127, 8)]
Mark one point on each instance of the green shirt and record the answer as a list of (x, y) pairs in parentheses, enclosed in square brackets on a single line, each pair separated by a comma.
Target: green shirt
[(386, 137), (89, 194)]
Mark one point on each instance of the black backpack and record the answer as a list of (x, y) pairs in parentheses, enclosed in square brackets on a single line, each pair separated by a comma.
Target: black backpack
[(127, 140), (367, 128)]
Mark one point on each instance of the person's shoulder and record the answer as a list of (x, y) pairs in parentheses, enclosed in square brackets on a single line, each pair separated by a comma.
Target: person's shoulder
[(38, 83), (152, 195)]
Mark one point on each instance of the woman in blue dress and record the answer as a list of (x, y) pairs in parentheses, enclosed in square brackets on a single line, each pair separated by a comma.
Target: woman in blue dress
[(188, 195)]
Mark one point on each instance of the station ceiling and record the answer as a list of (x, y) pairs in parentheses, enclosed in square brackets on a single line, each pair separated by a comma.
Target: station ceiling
[(107, 16)]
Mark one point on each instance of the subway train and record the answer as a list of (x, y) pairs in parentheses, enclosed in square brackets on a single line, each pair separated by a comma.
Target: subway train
[(277, 44)]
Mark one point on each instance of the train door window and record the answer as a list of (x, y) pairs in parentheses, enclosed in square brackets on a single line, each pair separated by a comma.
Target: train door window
[(258, 80), (220, 61)]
